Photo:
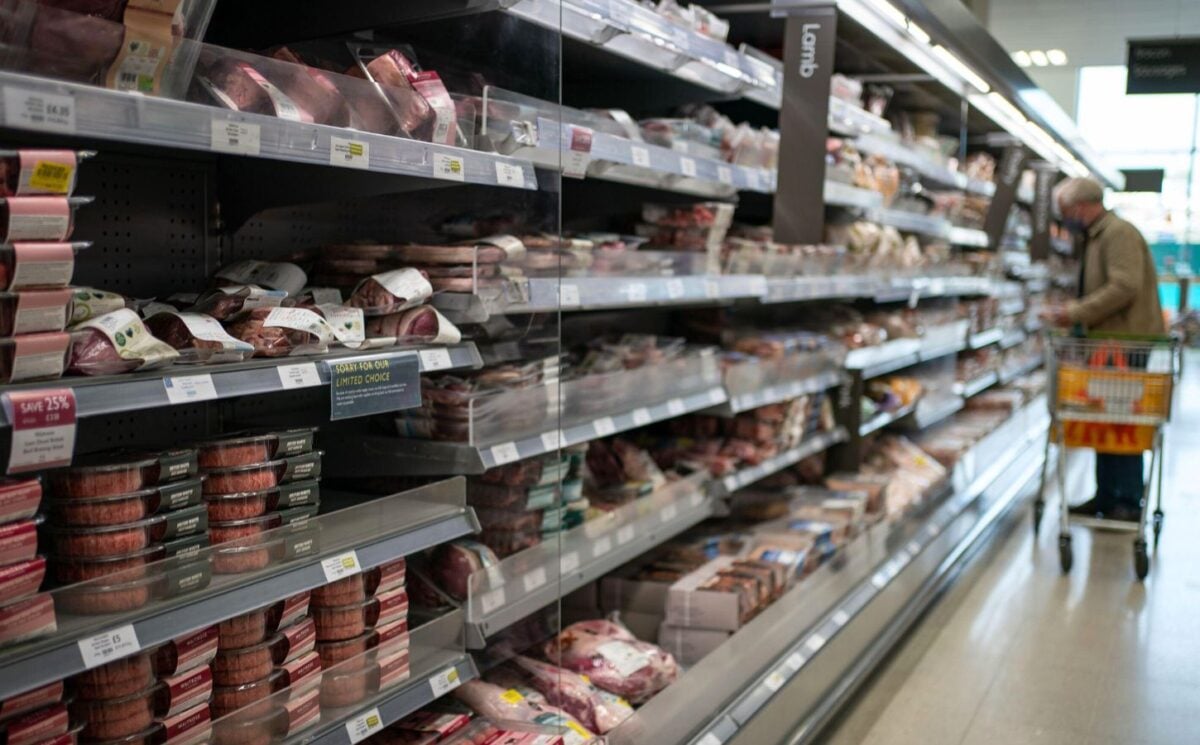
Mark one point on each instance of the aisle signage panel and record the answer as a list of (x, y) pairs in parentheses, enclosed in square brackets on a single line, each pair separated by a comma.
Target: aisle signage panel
[(373, 385), (1043, 210), (1164, 66), (1008, 178)]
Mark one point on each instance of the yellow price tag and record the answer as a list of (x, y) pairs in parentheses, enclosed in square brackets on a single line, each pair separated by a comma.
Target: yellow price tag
[(51, 177), (512, 696), (374, 721)]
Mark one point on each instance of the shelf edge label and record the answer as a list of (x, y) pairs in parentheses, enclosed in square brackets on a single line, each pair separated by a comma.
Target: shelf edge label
[(108, 646), (43, 428)]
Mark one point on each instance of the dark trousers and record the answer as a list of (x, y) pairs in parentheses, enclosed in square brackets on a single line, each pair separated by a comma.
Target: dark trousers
[(1119, 481)]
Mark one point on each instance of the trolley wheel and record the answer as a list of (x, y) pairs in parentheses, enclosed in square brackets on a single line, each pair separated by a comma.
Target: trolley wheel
[(1158, 521), (1141, 560), (1039, 507), (1065, 556)]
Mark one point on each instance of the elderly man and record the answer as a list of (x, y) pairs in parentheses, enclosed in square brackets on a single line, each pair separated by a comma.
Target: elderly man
[(1118, 294)]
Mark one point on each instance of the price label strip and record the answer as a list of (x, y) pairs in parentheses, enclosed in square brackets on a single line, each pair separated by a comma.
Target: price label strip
[(186, 389)]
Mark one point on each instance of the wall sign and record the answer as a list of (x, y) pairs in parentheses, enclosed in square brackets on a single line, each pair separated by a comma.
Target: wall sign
[(1164, 66)]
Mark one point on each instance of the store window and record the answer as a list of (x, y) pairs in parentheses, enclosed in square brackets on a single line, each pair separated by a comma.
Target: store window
[(1147, 131)]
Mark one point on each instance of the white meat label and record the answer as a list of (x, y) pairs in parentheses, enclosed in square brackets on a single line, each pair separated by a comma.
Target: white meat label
[(602, 546), (640, 156), (675, 407), (108, 646), (688, 167), (569, 296), (604, 426), (52, 226), (444, 682), (435, 359), (42, 271), (641, 417), (186, 389), (31, 366), (675, 288), (449, 167), (364, 725), (242, 138), (300, 319), (303, 375), (625, 534), (534, 579), (341, 566), (347, 324), (349, 153), (509, 174), (505, 453), (669, 513), (569, 562), (490, 601), (25, 109), (623, 656), (408, 285), (208, 328), (725, 174), (131, 339)]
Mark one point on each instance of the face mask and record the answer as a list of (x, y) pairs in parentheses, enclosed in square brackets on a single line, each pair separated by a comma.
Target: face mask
[(1074, 224)]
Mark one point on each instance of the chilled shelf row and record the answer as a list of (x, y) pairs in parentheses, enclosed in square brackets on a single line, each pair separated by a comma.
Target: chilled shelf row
[(884, 418), (718, 699), (938, 341), (810, 446), (889, 146), (303, 555), (116, 394), (985, 338), (976, 385)]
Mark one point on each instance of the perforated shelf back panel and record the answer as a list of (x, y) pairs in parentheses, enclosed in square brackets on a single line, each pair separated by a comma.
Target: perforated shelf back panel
[(148, 225)]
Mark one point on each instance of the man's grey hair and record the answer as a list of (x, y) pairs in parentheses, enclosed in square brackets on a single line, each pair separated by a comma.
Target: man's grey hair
[(1080, 190)]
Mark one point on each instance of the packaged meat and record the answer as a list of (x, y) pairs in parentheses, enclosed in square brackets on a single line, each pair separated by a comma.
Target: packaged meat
[(346, 685), (19, 498), (423, 325), (38, 698), (311, 89), (34, 311), (223, 303), (39, 218), (27, 618), (391, 71), (190, 727), (243, 631), (300, 672), (352, 589), (198, 338), (88, 303), (244, 664), (21, 579), (391, 292), (117, 342), (117, 594), (273, 275), (109, 475), (265, 475), (387, 576), (28, 266), (497, 704), (228, 699), (114, 540), (598, 711), (69, 570), (98, 511), (238, 506), (243, 530), (34, 357), (186, 652), (250, 448), (18, 541), (44, 724), (183, 691), (333, 652), (455, 562), (277, 332), (30, 172), (238, 85), (115, 679), (438, 725), (117, 717), (613, 659)]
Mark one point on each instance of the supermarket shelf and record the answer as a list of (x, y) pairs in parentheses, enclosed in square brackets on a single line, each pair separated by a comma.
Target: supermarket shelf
[(776, 393), (783, 669), (847, 119), (900, 289), (811, 445), (901, 353), (930, 411), (968, 237), (436, 667), (976, 385), (147, 120), (1011, 373), (1033, 325), (379, 455), (884, 418), (115, 394), (1013, 338), (536, 577), (985, 338), (1011, 306), (845, 195), (913, 222), (541, 295), (377, 532), (888, 146), (801, 289)]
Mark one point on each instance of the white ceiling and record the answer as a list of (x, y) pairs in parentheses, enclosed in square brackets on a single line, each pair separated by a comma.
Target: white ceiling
[(1091, 32)]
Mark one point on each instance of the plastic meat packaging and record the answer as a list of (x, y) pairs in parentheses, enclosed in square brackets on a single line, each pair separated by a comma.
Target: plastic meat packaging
[(273, 275), (391, 292), (38, 218), (117, 342), (40, 172), (278, 332), (224, 303), (198, 338), (28, 618), (595, 709), (25, 265), (613, 659), (34, 311)]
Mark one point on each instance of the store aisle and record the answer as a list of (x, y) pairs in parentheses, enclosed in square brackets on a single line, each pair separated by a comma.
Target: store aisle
[(1016, 652)]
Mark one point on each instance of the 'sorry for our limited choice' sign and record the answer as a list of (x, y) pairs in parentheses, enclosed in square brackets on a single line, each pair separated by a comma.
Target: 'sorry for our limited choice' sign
[(373, 385)]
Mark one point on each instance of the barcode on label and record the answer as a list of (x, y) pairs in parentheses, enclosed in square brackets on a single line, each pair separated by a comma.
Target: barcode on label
[(108, 646), (349, 153), (44, 111)]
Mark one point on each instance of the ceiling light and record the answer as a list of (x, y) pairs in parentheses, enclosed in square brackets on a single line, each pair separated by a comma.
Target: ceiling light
[(967, 74), (891, 11), (1057, 57), (1039, 58), (918, 33), (1021, 57)]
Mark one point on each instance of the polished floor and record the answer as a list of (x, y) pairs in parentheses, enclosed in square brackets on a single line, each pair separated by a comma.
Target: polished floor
[(1016, 652)]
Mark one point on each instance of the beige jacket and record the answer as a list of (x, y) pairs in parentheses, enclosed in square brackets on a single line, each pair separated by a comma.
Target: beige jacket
[(1120, 283)]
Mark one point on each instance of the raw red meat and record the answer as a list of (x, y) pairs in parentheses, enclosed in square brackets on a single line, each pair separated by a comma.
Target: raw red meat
[(455, 562), (613, 659), (495, 703), (261, 328), (421, 324), (391, 292), (312, 89), (68, 45), (393, 71), (573, 694)]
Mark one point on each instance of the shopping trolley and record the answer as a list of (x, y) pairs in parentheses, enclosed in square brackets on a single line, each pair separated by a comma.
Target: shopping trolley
[(1112, 395)]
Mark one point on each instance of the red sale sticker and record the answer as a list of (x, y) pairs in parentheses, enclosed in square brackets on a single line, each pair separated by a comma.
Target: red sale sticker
[(43, 428)]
